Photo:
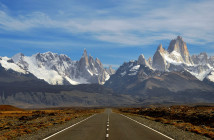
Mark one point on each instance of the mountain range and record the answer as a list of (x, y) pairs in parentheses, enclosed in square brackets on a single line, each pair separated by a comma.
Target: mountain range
[(170, 71), (48, 79), (59, 69)]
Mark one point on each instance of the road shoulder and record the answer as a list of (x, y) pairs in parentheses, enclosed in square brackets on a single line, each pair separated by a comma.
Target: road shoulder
[(168, 130), (43, 133)]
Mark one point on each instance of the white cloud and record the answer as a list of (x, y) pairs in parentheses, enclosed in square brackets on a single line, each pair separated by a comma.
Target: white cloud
[(21, 23), (193, 20)]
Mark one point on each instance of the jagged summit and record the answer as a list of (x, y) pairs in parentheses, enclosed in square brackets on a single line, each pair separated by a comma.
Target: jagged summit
[(176, 54), (17, 57), (160, 48), (110, 70), (83, 62), (98, 61), (85, 53), (177, 58), (178, 38), (58, 69), (202, 58), (179, 46), (150, 61), (172, 74), (143, 61), (158, 61)]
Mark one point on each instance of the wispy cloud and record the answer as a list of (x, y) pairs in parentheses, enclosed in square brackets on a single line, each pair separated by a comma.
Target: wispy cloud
[(25, 22), (134, 22)]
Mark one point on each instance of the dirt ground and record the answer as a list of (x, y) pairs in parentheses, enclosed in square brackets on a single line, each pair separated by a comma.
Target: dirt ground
[(196, 119), (17, 123)]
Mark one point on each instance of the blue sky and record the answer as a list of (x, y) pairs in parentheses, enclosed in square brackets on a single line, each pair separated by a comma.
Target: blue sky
[(112, 30)]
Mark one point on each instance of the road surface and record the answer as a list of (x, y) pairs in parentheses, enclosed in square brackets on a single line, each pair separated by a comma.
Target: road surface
[(108, 126)]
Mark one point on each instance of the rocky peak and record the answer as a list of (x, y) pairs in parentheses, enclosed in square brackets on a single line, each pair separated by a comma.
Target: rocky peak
[(90, 59), (159, 62), (110, 70), (17, 57), (179, 46), (65, 57), (141, 57), (84, 59), (85, 53), (160, 49), (211, 61), (38, 57), (99, 65), (150, 61), (49, 56), (98, 62), (91, 64), (60, 69), (179, 38), (202, 58), (142, 61), (19, 60)]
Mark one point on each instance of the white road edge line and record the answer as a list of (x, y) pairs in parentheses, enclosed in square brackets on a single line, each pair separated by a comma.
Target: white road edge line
[(148, 127), (68, 127)]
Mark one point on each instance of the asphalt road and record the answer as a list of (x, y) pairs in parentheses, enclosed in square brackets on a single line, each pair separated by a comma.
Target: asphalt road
[(108, 126)]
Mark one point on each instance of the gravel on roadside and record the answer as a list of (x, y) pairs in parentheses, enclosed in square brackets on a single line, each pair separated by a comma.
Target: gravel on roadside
[(45, 132), (167, 129)]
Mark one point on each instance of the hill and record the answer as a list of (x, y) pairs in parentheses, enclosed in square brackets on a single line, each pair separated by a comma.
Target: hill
[(9, 108)]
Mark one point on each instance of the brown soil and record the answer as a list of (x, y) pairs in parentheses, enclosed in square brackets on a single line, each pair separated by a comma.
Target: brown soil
[(14, 124), (9, 108), (197, 119)]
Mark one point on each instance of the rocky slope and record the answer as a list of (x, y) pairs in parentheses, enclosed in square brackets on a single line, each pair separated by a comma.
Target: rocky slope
[(25, 90), (177, 58), (172, 76), (134, 76)]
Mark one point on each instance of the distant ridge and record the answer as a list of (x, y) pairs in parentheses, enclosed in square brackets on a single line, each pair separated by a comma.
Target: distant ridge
[(172, 77), (9, 108), (59, 69)]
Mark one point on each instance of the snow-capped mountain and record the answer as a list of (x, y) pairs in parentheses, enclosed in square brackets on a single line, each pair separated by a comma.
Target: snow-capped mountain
[(201, 59), (170, 62), (178, 51), (143, 61), (138, 79), (110, 71), (177, 54), (8, 63), (177, 58), (58, 69)]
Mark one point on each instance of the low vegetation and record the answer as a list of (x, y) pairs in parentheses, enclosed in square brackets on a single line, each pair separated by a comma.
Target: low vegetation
[(15, 122), (197, 119)]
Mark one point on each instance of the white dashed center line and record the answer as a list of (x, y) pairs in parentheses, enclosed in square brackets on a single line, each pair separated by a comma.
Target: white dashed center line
[(107, 135), (107, 127)]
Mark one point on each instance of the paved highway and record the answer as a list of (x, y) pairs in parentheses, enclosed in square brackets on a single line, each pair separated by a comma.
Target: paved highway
[(108, 126)]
